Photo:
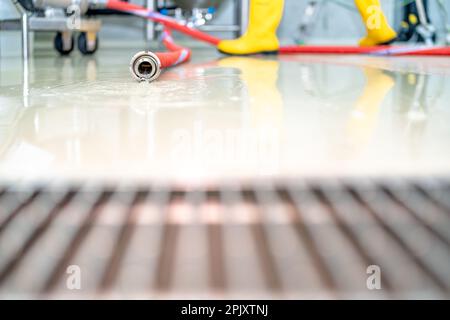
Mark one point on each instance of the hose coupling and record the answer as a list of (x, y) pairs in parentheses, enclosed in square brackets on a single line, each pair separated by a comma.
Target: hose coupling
[(145, 66)]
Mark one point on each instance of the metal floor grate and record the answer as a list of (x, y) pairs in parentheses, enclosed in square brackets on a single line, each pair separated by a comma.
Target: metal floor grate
[(286, 240)]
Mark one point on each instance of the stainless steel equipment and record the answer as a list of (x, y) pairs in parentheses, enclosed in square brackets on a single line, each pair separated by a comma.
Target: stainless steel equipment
[(198, 13), (67, 16), (63, 16)]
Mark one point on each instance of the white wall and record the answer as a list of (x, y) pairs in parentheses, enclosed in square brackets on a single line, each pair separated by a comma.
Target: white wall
[(7, 10)]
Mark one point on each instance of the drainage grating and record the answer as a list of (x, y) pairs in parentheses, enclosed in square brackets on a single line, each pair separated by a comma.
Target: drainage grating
[(284, 240)]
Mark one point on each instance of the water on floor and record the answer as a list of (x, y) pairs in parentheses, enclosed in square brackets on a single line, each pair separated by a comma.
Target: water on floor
[(224, 117)]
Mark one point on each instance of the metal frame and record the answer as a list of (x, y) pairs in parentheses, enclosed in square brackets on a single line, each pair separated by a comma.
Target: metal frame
[(29, 22), (22, 24), (239, 26)]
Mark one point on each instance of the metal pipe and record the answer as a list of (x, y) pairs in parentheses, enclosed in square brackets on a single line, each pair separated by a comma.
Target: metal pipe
[(422, 12), (25, 37), (150, 32), (145, 66), (219, 28), (25, 30)]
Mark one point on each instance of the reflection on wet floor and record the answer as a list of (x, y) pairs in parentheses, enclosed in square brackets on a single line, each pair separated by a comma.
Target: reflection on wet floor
[(234, 117)]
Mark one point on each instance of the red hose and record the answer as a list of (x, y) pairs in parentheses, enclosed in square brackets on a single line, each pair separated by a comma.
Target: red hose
[(147, 65), (176, 54), (164, 20), (196, 34), (327, 49), (376, 50)]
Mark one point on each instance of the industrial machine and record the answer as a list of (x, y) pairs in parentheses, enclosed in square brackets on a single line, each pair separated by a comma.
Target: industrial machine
[(198, 14), (415, 26), (67, 17)]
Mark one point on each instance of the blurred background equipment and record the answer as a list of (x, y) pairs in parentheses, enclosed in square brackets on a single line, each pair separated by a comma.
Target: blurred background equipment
[(65, 17), (416, 24), (198, 14)]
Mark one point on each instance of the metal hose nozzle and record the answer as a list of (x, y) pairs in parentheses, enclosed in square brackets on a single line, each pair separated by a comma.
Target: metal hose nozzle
[(145, 66)]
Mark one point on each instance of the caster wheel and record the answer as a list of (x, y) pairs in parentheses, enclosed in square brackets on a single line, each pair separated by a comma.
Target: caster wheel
[(64, 43), (87, 44)]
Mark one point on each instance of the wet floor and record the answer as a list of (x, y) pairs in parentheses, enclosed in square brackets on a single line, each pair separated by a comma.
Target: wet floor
[(224, 117)]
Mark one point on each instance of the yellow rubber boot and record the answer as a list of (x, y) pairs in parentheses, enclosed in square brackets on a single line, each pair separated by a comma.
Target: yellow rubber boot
[(378, 29), (260, 37)]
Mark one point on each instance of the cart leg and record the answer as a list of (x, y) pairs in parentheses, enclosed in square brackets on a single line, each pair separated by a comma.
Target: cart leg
[(25, 37), (150, 33), (25, 30)]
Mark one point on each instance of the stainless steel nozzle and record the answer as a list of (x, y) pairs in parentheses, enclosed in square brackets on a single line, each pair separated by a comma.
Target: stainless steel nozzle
[(145, 66)]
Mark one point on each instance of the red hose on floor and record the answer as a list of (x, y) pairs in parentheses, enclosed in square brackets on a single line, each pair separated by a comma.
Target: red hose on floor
[(376, 50), (196, 34), (176, 54), (147, 66), (164, 20)]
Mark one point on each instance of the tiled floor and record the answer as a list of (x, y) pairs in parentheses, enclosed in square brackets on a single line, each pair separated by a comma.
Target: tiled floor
[(224, 117)]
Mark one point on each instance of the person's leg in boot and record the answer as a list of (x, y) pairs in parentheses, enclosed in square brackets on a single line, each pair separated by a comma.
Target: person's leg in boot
[(260, 37), (379, 31)]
